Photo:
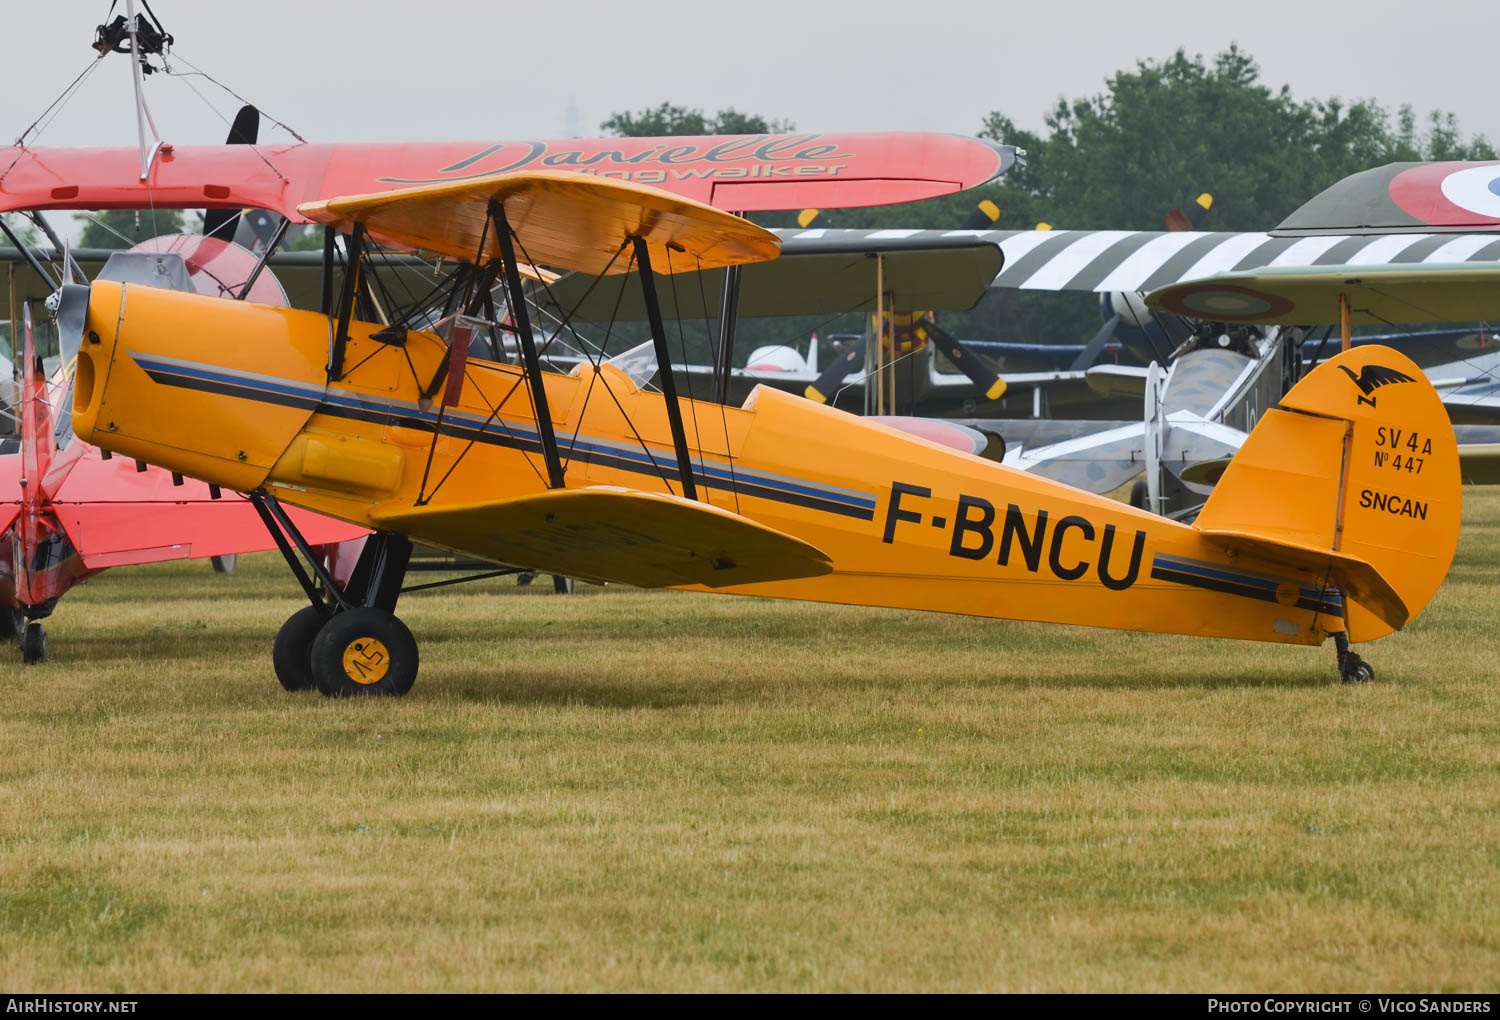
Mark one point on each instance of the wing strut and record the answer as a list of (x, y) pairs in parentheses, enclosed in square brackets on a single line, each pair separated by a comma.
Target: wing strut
[(664, 367), (527, 343), (272, 246), (729, 311), (356, 250)]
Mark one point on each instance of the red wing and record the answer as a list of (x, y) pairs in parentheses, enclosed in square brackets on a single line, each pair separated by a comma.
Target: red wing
[(116, 515), (115, 534)]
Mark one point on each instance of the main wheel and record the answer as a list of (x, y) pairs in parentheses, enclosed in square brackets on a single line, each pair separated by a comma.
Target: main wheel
[(34, 643), (363, 652), (1140, 495), (292, 652), (12, 623), (225, 564)]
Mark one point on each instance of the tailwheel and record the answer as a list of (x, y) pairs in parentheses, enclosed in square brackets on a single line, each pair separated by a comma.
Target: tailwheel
[(292, 653), (1352, 668), (364, 652), (34, 643), (12, 623), (1356, 670)]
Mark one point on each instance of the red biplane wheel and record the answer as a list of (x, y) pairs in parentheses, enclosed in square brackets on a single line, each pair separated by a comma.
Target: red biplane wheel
[(12, 623), (363, 653), (34, 643), (291, 655)]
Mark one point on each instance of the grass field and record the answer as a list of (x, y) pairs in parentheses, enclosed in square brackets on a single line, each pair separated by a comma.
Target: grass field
[(627, 790)]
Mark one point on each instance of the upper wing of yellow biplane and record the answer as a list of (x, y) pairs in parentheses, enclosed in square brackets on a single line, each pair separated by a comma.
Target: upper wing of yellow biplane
[(561, 219), (1420, 292)]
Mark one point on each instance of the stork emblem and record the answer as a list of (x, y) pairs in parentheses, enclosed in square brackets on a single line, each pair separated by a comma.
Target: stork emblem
[(1372, 377)]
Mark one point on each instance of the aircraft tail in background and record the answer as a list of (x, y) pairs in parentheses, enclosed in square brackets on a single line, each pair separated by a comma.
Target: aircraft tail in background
[(1355, 472)]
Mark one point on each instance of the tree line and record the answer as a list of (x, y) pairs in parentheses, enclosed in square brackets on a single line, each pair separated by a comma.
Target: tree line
[(1160, 133)]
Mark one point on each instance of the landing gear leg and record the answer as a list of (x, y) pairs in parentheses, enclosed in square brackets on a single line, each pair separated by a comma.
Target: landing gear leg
[(34, 643), (348, 641), (1352, 668), (12, 623)]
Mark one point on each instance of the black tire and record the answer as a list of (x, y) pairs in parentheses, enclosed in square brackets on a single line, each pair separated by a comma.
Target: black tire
[(364, 653), (291, 655), (562, 585), (1140, 495), (225, 564), (12, 623), (34, 643)]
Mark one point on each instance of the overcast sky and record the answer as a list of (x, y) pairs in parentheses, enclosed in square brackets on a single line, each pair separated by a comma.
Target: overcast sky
[(381, 70)]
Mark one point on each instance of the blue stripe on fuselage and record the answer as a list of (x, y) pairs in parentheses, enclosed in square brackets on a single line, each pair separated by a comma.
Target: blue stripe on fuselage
[(342, 403)]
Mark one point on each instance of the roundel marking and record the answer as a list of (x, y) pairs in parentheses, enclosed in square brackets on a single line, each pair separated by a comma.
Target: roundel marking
[(1224, 301), (1450, 194), (1476, 189)]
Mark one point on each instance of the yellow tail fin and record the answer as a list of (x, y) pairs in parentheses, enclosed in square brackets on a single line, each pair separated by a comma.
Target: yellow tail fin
[(1355, 473)]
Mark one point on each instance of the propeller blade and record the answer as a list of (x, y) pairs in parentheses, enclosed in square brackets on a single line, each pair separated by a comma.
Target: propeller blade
[(71, 271), (827, 384), (807, 219), (981, 217), (1190, 220), (246, 127), (1090, 354), (263, 224), (969, 364), (222, 223)]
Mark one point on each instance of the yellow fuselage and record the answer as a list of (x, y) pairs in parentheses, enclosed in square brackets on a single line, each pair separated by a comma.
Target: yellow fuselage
[(236, 394)]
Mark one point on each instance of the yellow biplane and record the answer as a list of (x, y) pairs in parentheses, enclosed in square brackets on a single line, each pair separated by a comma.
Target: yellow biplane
[(1339, 516)]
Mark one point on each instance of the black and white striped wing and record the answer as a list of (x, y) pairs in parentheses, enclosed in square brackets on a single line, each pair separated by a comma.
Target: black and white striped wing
[(1145, 260)]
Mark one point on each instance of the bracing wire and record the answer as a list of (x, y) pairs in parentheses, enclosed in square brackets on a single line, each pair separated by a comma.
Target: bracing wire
[(734, 486), (682, 346)]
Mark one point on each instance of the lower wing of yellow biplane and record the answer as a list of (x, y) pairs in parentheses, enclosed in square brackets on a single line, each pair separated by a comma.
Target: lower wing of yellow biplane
[(606, 533)]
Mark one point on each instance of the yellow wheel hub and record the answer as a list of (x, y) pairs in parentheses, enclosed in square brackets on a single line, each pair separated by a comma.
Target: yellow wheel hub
[(366, 660)]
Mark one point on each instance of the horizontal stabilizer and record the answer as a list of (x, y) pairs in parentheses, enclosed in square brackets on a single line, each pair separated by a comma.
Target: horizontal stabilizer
[(604, 533), (1479, 463), (1117, 380), (1355, 576)]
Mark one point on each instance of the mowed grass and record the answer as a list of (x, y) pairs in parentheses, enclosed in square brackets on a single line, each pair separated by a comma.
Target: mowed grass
[(630, 790)]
